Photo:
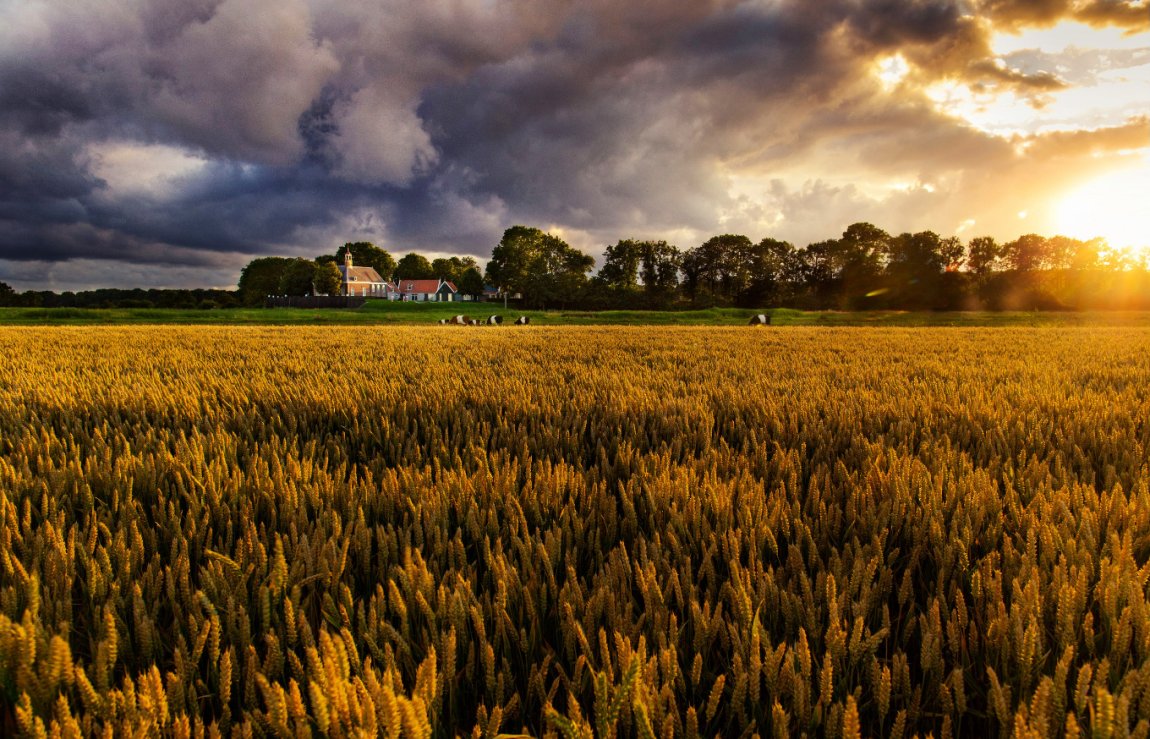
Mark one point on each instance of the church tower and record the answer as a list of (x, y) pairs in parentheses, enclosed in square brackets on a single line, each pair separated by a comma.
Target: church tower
[(347, 265)]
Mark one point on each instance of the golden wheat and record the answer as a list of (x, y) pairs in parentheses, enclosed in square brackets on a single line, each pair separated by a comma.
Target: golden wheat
[(576, 531)]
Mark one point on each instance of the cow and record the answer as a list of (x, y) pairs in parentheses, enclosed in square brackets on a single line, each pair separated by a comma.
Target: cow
[(522, 320), (495, 321), (761, 319)]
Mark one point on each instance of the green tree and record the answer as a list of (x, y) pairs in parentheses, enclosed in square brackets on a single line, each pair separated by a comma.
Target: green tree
[(916, 256), (983, 255), (716, 270), (367, 254), (865, 247), (471, 282), (328, 280), (1027, 253), (445, 268), (659, 270), (543, 267), (261, 278), (298, 277), (862, 254), (775, 273), (638, 273), (916, 262), (844, 272), (818, 267), (953, 253), (452, 268), (620, 270), (509, 268), (414, 267)]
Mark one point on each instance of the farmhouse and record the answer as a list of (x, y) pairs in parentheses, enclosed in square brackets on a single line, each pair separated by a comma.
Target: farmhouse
[(440, 290), (363, 281)]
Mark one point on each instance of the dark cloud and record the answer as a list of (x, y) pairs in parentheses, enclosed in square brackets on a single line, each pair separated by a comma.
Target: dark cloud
[(35, 170), (895, 23), (38, 105), (193, 134)]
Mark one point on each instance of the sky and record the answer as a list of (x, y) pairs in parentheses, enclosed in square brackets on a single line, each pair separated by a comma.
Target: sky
[(165, 143)]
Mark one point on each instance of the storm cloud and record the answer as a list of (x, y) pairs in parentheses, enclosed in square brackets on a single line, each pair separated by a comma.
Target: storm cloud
[(172, 140)]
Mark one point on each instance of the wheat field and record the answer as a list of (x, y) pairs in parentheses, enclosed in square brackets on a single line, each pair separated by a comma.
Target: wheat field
[(578, 531)]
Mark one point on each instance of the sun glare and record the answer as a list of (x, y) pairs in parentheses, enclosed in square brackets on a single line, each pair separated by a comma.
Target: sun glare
[(1112, 206), (1059, 37), (1105, 85), (891, 71)]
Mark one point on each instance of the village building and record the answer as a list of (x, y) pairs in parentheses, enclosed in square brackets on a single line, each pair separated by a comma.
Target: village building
[(441, 290), (492, 294), (363, 281)]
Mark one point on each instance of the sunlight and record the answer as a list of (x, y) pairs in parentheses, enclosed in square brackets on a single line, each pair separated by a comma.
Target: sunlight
[(151, 170), (1064, 35), (1112, 206), (891, 70), (1106, 71)]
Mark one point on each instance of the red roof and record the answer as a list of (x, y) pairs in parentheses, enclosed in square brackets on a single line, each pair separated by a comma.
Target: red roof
[(422, 286)]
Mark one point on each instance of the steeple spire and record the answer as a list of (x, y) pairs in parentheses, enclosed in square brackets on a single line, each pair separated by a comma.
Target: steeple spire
[(347, 265)]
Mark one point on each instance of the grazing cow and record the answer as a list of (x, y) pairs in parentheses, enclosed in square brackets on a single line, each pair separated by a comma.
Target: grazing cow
[(458, 321), (522, 320), (495, 321), (442, 321), (762, 319)]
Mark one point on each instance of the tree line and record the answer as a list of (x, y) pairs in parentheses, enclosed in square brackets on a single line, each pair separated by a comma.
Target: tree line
[(865, 268), (199, 298)]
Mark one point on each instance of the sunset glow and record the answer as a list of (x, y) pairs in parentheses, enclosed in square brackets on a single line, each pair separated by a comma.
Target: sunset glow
[(1113, 206)]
